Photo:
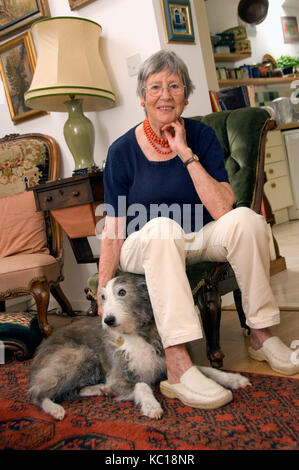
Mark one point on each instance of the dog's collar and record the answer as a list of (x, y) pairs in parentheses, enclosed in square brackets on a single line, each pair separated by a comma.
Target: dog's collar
[(119, 340)]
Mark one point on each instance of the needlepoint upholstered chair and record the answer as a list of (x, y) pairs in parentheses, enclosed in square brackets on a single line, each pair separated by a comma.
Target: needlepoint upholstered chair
[(242, 134), (31, 252)]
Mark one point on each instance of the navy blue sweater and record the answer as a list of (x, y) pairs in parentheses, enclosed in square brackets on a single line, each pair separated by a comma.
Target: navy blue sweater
[(145, 185)]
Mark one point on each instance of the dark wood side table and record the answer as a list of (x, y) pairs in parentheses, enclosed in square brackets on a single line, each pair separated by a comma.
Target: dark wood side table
[(72, 202)]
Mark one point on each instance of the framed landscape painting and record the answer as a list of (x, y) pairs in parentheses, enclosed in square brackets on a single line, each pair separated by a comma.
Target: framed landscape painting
[(18, 15), (17, 64)]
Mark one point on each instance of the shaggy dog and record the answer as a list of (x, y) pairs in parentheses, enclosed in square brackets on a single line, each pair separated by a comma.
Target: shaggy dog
[(120, 354)]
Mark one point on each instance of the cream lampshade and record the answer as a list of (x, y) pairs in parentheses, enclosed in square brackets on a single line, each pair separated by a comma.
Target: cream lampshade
[(70, 76)]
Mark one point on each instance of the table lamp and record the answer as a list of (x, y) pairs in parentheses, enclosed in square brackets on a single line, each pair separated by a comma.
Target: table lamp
[(70, 76)]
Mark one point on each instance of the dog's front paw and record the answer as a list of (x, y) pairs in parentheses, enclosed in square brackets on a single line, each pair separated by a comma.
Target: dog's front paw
[(237, 381), (55, 410), (152, 410), (58, 412)]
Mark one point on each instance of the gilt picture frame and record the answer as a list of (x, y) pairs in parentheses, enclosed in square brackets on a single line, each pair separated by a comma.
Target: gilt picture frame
[(17, 65), (76, 4), (16, 16), (289, 29), (178, 24)]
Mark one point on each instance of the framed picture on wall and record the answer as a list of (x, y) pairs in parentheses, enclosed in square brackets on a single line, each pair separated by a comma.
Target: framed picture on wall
[(75, 4), (17, 64), (15, 16), (290, 29), (178, 21)]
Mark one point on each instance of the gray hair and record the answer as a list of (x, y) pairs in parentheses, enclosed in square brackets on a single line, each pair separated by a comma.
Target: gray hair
[(159, 61)]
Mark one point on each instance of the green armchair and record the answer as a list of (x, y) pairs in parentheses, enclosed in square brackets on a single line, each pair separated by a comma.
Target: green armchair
[(242, 134)]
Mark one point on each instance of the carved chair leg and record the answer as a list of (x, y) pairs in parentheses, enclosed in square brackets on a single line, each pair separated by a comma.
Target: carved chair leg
[(239, 307), (41, 293), (61, 298), (209, 304), (93, 309)]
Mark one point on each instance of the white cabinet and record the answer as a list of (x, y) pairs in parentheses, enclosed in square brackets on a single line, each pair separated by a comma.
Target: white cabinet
[(291, 139), (278, 186)]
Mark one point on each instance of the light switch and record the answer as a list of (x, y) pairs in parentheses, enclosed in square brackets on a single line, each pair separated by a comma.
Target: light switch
[(133, 64)]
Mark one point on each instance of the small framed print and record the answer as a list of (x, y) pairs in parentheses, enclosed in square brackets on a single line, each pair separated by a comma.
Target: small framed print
[(178, 21), (75, 4), (17, 64), (290, 29), (15, 16)]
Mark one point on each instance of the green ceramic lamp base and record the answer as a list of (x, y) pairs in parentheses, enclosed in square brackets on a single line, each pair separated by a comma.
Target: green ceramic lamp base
[(80, 137)]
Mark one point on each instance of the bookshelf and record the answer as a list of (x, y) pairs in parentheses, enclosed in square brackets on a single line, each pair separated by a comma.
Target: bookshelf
[(230, 57), (257, 81)]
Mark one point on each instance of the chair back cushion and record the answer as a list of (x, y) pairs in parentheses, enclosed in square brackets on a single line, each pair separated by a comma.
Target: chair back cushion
[(239, 132), (22, 228), (25, 161)]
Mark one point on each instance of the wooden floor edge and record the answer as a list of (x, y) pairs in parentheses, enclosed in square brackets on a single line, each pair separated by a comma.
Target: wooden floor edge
[(228, 308)]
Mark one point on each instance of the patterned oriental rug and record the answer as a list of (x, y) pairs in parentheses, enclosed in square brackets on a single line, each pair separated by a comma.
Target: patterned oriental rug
[(261, 417)]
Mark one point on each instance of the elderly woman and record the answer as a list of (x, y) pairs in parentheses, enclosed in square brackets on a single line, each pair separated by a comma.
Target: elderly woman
[(171, 163)]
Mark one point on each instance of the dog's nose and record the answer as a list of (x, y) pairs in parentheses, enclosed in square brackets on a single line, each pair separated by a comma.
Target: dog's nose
[(110, 320)]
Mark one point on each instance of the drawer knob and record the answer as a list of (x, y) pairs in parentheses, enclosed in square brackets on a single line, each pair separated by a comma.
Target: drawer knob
[(76, 193), (273, 185), (271, 171), (268, 155), (49, 198)]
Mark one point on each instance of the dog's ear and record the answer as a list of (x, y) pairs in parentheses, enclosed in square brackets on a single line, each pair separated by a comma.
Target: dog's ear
[(142, 288), (141, 284)]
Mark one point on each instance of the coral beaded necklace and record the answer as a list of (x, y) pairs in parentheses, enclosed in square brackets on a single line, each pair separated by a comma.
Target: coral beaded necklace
[(153, 138)]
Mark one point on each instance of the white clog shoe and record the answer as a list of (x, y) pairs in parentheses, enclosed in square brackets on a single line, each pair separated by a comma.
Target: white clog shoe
[(197, 390), (277, 354)]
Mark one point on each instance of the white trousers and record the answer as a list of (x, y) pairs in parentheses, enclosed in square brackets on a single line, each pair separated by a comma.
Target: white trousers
[(161, 249)]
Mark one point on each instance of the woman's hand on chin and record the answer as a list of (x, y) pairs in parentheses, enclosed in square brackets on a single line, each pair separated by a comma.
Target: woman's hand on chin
[(176, 136)]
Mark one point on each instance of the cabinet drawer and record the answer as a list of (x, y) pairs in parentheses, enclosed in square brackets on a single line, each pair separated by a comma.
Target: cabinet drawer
[(67, 196), (273, 138), (274, 154), (276, 169), (279, 193)]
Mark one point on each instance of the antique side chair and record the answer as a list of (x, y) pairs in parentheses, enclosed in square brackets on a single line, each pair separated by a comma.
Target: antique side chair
[(31, 251)]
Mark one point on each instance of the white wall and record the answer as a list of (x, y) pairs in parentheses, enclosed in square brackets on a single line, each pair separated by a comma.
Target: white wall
[(129, 27), (223, 14), (192, 55)]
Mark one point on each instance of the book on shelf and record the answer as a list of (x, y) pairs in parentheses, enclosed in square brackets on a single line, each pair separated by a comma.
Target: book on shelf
[(215, 104), (251, 95), (236, 97), (243, 72)]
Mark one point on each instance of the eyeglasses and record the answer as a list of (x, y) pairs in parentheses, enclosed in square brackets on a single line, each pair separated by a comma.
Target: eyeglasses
[(174, 89)]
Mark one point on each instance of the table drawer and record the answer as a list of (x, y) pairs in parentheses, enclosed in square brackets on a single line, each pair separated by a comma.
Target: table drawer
[(273, 138), (278, 192), (67, 196), (274, 154), (276, 169)]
